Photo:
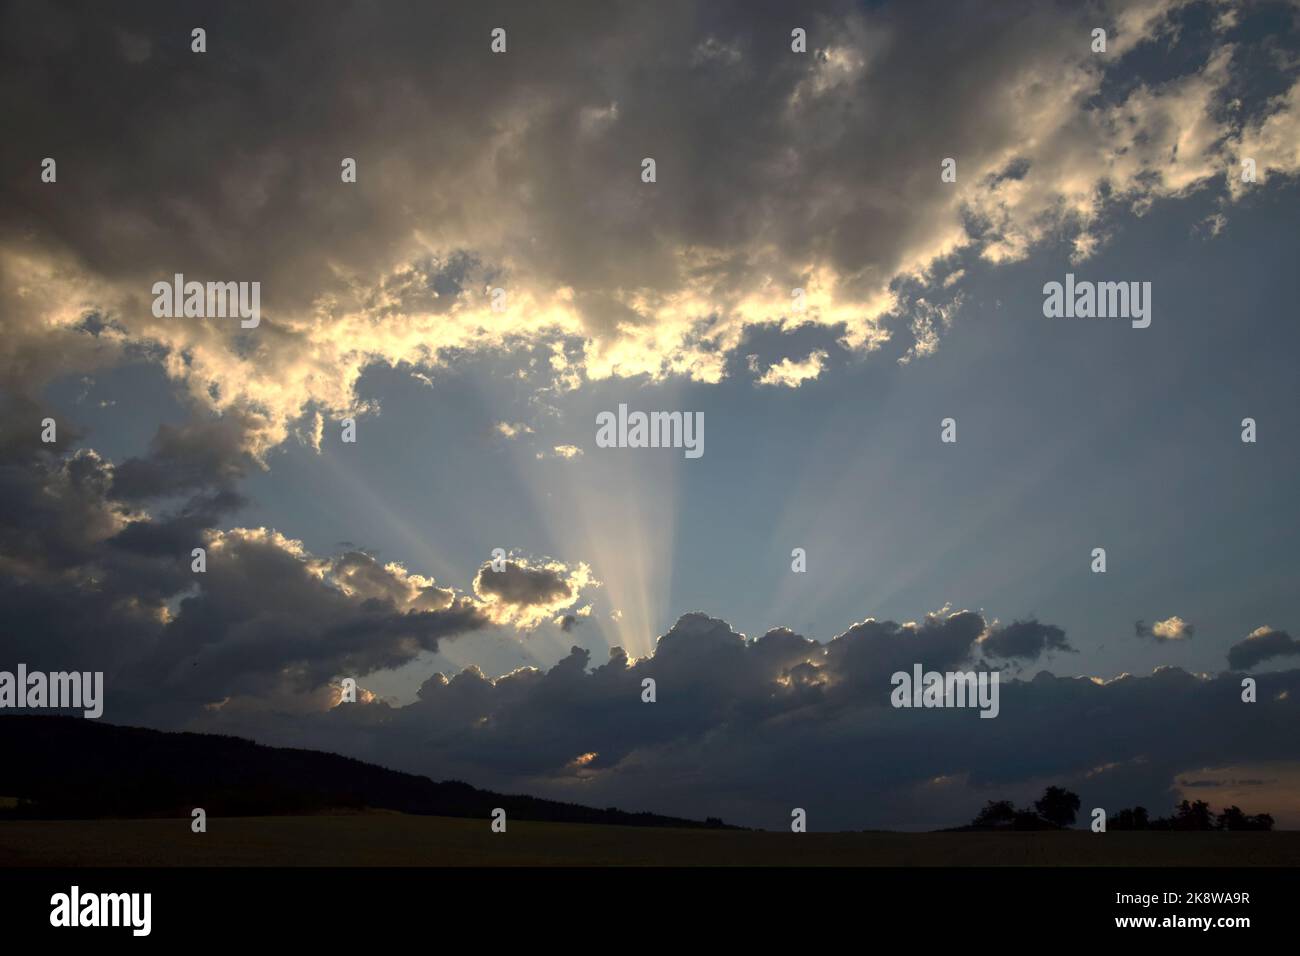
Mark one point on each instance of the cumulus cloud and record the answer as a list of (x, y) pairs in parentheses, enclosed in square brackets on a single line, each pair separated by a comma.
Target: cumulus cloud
[(1272, 139), (1260, 645), (525, 594), (1171, 629), (790, 373), (567, 622), (928, 321), (513, 429), (360, 575), (566, 452), (196, 455), (1024, 639)]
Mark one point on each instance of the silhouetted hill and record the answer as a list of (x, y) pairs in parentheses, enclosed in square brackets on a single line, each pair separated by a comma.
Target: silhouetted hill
[(69, 767)]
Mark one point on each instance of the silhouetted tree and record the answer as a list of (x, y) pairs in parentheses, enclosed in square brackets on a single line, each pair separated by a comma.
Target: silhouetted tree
[(1027, 819), (996, 813), (1193, 816), (1233, 818), (1058, 806), (1135, 819)]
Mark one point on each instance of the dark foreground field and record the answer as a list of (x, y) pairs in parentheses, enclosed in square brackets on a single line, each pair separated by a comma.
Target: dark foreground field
[(394, 839)]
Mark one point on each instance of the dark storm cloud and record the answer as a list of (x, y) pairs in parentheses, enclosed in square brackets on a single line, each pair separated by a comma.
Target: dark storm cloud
[(1025, 639), (747, 729), (285, 92), (168, 535), (65, 512), (68, 596), (776, 170), (94, 580), (866, 654), (1261, 645), (264, 608), (55, 507), (186, 458)]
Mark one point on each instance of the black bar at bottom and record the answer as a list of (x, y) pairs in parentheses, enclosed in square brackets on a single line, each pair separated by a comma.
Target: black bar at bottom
[(209, 906)]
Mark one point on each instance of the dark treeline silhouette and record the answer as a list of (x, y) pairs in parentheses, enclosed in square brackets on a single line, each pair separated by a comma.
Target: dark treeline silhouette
[(1055, 810), (1192, 816), (71, 768), (1058, 808)]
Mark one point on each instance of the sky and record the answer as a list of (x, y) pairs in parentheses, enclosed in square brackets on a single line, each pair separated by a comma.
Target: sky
[(475, 427)]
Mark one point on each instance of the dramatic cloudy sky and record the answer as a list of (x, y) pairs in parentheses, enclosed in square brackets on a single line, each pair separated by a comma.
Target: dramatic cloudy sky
[(475, 428)]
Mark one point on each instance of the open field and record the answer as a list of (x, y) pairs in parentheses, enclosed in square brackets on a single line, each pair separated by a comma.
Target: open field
[(393, 839)]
